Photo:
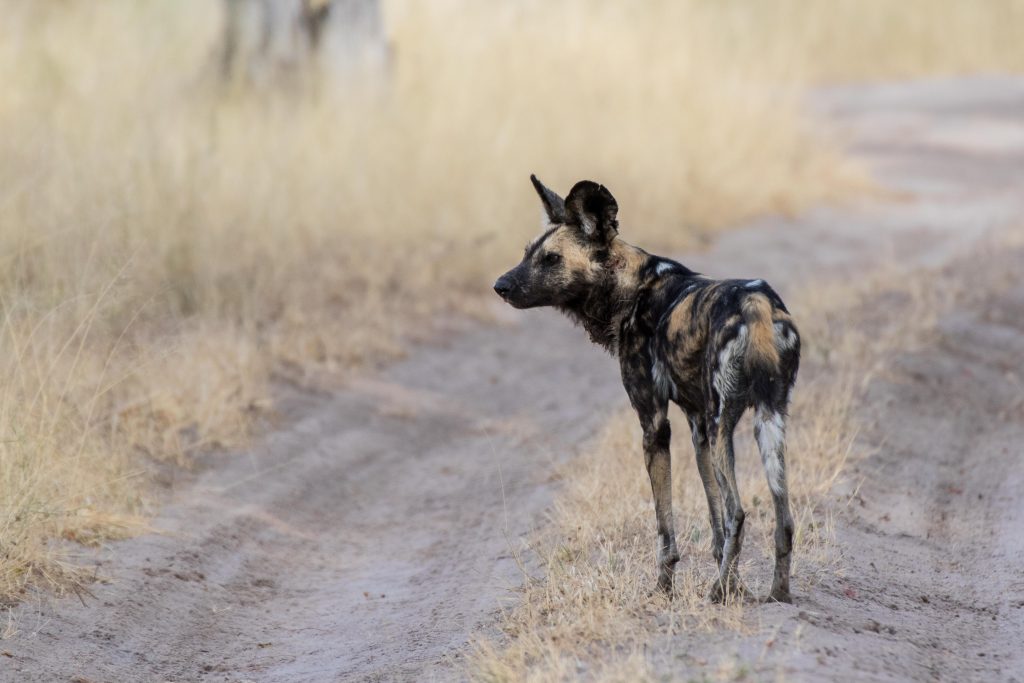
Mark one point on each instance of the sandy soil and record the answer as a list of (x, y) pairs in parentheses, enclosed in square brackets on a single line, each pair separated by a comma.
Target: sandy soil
[(368, 538)]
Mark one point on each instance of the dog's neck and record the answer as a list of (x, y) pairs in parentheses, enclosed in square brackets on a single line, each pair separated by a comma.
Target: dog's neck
[(610, 299)]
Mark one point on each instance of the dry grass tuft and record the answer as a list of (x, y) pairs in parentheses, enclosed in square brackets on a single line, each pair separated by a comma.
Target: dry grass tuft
[(165, 246)]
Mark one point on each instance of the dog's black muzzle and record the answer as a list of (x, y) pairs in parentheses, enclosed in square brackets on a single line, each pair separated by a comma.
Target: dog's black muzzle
[(503, 286), (510, 288)]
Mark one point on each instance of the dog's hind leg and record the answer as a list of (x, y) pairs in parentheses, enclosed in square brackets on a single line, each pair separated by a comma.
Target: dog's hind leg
[(770, 432), (724, 459), (702, 450)]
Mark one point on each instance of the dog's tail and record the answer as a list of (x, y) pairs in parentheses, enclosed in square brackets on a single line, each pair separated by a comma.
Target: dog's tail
[(762, 357)]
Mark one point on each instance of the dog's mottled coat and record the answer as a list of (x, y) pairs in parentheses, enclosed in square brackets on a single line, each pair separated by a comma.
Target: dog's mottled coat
[(713, 347)]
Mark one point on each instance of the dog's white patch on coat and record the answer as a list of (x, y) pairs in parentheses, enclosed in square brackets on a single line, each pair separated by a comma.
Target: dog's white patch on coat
[(662, 380), (754, 284), (663, 267), (785, 337), (730, 358), (771, 439)]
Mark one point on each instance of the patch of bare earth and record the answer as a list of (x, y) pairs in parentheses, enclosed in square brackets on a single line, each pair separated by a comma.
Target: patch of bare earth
[(372, 536)]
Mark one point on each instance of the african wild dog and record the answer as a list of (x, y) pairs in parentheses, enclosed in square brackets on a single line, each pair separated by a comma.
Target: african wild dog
[(714, 347)]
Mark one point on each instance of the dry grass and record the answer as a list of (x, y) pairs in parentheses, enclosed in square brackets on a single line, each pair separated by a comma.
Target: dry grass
[(165, 247), (587, 608), (850, 40)]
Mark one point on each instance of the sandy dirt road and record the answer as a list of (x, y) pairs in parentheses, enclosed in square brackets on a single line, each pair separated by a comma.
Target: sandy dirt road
[(370, 536)]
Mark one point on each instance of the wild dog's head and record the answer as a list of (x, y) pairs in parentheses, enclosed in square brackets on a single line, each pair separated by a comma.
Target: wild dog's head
[(569, 258)]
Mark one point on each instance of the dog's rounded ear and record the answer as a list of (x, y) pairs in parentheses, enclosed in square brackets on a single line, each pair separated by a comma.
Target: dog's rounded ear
[(593, 209), (554, 206)]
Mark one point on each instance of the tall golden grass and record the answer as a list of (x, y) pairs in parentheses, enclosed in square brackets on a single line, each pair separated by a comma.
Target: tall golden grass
[(167, 245)]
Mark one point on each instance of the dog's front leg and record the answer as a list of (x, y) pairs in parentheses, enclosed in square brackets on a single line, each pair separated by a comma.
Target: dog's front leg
[(657, 435), (651, 407)]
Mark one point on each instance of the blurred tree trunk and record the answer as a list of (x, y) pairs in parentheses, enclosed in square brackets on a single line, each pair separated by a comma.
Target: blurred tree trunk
[(334, 40)]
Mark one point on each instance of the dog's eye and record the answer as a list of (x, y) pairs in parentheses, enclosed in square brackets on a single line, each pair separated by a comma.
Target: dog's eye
[(551, 258)]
